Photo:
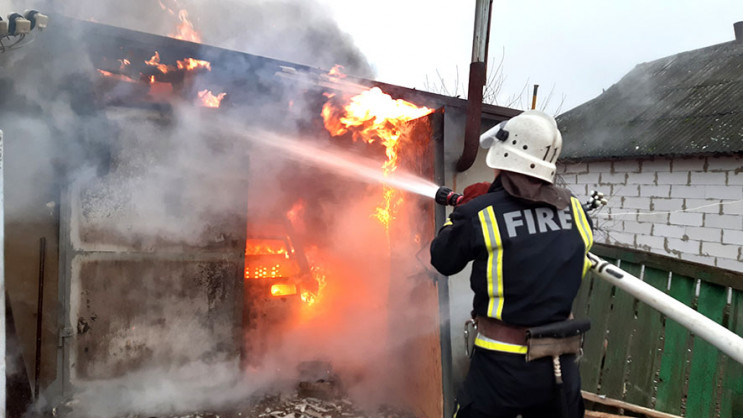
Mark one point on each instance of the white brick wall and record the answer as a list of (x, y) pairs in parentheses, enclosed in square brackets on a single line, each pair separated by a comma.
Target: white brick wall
[(730, 192), (708, 178), (732, 237), (679, 177), (649, 242), (704, 205), (704, 234), (688, 208), (721, 250), (668, 231), (623, 190), (686, 218), (641, 178), (655, 166), (688, 164), (663, 190)]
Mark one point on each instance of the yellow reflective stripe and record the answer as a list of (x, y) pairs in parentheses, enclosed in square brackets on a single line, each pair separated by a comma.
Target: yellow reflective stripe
[(488, 245), (584, 229), (489, 344), (499, 266), (448, 222), (586, 266), (578, 220), (491, 234), (457, 411)]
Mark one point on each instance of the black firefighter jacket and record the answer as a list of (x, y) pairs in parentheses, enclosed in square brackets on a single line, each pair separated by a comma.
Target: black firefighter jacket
[(528, 258)]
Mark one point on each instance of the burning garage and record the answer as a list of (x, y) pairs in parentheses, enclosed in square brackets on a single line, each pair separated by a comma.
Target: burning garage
[(193, 228)]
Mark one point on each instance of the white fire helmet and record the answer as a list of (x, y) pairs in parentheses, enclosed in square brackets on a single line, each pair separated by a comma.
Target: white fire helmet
[(528, 144)]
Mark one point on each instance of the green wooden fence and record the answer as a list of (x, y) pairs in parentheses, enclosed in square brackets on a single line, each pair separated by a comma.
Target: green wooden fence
[(634, 354)]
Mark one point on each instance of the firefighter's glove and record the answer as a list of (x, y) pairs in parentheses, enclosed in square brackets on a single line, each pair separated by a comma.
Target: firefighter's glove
[(474, 190)]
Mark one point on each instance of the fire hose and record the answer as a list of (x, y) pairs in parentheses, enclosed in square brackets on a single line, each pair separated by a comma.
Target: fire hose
[(701, 326)]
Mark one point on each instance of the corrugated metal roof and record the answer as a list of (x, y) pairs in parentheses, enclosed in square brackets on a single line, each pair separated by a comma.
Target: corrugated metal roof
[(686, 104)]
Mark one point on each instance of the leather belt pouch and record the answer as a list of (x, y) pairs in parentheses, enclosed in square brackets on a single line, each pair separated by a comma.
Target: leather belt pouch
[(555, 339)]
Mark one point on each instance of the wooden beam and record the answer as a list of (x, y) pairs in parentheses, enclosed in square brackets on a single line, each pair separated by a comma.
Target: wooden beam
[(597, 414), (592, 397)]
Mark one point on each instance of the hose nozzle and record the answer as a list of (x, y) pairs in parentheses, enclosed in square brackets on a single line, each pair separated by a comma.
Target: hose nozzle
[(446, 196)]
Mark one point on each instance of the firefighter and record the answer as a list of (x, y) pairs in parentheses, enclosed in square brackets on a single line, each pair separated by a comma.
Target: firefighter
[(528, 240)]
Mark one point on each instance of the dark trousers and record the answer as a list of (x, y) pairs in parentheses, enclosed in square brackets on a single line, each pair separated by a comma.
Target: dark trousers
[(504, 385)]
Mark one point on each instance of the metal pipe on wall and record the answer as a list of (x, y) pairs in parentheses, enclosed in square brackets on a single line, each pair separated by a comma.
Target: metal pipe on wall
[(442, 282), (39, 314), (477, 79), (701, 326), (2, 283)]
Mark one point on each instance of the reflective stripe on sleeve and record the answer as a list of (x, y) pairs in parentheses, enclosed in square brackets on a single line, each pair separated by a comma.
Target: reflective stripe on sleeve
[(494, 245), (584, 229)]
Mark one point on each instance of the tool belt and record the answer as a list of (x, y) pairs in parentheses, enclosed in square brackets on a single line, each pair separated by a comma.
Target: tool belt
[(553, 340)]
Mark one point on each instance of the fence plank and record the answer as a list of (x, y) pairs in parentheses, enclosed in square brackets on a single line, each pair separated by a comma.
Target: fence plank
[(646, 345), (598, 312), (703, 375), (621, 320), (731, 405), (674, 359)]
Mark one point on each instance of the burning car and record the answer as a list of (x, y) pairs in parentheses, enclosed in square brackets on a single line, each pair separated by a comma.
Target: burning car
[(278, 279), (276, 267)]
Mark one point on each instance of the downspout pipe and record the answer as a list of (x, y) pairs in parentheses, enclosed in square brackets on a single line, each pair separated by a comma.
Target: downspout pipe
[(3, 389), (478, 76), (701, 326)]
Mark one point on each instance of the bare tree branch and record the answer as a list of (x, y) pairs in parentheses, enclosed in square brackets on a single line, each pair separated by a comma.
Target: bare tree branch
[(493, 89)]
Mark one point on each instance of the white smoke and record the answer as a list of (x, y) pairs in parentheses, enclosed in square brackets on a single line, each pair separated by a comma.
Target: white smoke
[(153, 183)]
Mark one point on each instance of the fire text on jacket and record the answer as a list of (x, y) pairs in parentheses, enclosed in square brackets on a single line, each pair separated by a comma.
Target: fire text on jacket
[(537, 220)]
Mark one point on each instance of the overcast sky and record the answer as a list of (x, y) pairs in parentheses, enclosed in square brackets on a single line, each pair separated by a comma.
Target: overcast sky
[(579, 47)]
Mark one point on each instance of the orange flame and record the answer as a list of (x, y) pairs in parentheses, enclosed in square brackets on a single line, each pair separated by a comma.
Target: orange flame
[(190, 64), (373, 116), (208, 99), (318, 273), (187, 64), (283, 290), (123, 64), (155, 62), (295, 214), (120, 77), (337, 71), (267, 258), (185, 29), (317, 270)]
